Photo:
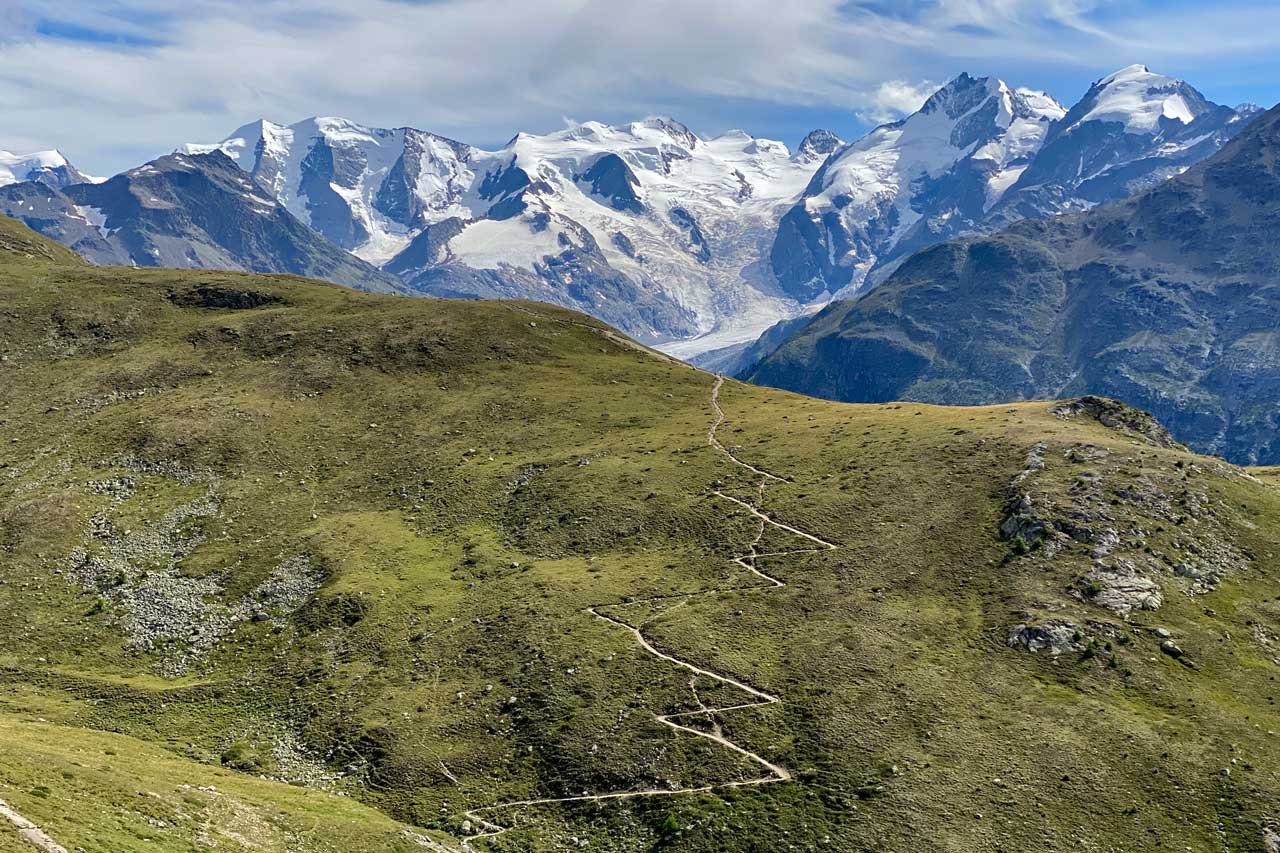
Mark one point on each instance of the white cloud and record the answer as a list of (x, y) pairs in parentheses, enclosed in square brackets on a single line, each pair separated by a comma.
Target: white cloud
[(482, 69), (893, 99)]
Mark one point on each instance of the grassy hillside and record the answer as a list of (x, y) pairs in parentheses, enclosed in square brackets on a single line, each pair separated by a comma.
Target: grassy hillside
[(256, 531)]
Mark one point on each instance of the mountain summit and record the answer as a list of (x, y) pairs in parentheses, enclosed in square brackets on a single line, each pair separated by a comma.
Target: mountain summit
[(47, 167), (646, 225), (1169, 301), (979, 155), (906, 183)]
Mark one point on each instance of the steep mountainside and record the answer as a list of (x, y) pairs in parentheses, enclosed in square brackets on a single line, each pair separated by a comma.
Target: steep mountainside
[(646, 225), (1169, 301), (188, 211), (1131, 131), (980, 155), (493, 571)]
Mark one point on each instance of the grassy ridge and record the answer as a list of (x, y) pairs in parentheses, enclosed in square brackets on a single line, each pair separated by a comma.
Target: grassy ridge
[(275, 528)]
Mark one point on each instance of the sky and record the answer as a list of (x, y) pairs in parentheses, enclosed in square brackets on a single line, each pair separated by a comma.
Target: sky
[(113, 83)]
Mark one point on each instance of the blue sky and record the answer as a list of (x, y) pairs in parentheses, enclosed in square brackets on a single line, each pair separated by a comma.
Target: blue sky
[(116, 82)]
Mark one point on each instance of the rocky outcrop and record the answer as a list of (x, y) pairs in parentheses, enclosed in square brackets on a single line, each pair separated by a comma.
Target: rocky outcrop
[(176, 618), (1054, 636), (612, 180), (818, 146), (1104, 521), (1114, 414)]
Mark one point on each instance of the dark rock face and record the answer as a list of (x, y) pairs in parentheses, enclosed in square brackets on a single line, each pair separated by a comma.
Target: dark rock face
[(190, 211), (624, 244), (818, 145), (504, 182), (506, 188), (1169, 301), (58, 177), (330, 213), (430, 248), (698, 246), (47, 211), (612, 180)]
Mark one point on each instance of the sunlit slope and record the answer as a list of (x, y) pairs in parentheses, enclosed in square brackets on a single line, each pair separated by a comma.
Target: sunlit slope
[(275, 528)]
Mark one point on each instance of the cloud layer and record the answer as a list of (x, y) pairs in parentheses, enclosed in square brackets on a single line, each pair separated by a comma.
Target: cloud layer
[(116, 80)]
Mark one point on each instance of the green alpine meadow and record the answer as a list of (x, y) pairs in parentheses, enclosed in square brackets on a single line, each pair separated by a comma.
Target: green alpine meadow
[(290, 567)]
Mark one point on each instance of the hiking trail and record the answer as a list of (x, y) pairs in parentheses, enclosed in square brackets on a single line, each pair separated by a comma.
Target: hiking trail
[(760, 698)]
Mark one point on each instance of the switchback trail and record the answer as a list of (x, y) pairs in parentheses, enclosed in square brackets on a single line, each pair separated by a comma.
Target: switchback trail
[(759, 698)]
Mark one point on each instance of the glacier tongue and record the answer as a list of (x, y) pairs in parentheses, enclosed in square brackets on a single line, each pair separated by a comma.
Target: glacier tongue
[(695, 243)]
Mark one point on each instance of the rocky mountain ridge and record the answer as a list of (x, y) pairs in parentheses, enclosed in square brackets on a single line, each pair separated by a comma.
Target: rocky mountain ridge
[(186, 211), (980, 155), (1167, 301)]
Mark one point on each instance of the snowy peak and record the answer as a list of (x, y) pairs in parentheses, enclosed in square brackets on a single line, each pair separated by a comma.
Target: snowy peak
[(675, 130), (961, 95), (817, 146), (245, 144), (980, 154), (47, 167), (967, 94), (1142, 101), (365, 188), (1130, 131), (969, 118)]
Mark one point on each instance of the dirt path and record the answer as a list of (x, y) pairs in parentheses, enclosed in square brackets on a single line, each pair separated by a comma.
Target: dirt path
[(29, 831), (774, 772)]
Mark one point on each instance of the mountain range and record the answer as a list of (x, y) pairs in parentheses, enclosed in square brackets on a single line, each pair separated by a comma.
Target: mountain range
[(1168, 300), (697, 245), (647, 225), (979, 155)]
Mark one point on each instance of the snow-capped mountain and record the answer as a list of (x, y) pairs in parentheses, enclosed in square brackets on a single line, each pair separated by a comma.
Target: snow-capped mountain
[(366, 189), (646, 225), (186, 211), (980, 155), (47, 167), (1132, 130), (696, 244)]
